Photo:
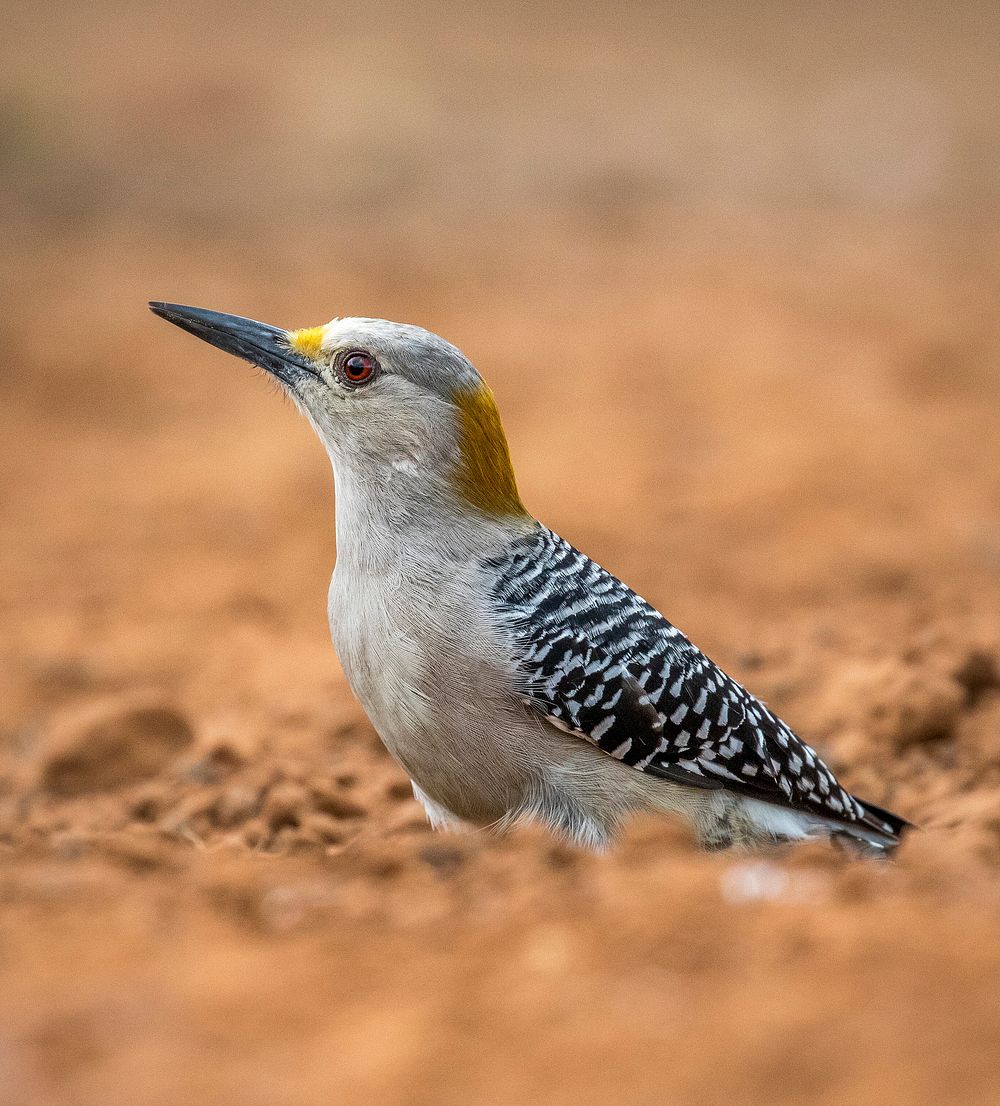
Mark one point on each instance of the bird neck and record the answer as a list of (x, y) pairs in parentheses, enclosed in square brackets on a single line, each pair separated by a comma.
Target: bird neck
[(393, 520)]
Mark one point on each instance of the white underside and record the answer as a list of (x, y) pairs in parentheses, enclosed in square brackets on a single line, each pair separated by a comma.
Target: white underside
[(781, 823), (717, 816), (439, 817)]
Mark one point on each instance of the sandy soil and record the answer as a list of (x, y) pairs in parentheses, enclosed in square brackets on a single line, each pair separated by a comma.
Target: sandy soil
[(774, 412)]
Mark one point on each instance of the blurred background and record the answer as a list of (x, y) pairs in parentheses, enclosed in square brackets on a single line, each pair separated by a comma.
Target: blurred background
[(733, 273)]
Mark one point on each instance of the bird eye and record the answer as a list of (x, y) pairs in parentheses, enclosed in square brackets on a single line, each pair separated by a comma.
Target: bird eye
[(357, 367)]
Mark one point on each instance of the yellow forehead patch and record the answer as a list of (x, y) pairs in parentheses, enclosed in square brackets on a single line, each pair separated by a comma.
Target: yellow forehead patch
[(485, 474), (308, 342)]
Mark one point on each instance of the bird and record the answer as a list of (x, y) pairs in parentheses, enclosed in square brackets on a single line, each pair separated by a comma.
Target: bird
[(513, 678)]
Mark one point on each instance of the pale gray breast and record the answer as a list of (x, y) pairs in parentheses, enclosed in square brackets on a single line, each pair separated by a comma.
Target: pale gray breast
[(382, 651), (420, 650), (428, 661)]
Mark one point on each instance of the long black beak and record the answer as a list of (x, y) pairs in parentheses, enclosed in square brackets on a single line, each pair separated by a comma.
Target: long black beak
[(258, 343)]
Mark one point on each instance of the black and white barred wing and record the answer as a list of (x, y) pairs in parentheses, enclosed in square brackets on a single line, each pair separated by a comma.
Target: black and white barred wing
[(600, 662)]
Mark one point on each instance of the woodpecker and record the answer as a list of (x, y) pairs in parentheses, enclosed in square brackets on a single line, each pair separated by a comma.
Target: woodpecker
[(511, 676)]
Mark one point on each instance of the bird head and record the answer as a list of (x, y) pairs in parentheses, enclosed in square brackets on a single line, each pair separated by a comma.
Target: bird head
[(393, 404)]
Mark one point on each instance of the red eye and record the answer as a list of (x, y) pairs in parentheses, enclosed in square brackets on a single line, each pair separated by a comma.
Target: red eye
[(358, 367)]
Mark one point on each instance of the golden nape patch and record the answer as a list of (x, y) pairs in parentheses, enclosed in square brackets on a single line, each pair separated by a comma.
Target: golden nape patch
[(308, 342), (486, 476)]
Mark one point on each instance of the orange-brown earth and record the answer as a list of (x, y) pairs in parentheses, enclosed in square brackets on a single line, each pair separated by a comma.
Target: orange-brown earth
[(774, 411)]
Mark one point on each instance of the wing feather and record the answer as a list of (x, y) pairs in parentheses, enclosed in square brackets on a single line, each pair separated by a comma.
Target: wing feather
[(598, 661)]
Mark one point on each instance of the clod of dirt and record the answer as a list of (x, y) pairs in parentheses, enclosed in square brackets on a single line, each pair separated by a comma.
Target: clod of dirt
[(399, 791), (225, 757), (321, 829), (138, 852), (236, 805), (111, 744), (327, 801), (285, 805), (148, 803), (446, 859), (898, 704), (978, 673)]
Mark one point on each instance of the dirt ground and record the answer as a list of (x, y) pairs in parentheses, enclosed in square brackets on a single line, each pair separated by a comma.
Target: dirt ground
[(735, 284)]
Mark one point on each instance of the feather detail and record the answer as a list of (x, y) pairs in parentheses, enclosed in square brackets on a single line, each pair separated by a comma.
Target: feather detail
[(598, 661)]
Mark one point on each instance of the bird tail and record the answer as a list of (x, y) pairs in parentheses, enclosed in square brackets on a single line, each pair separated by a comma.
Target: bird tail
[(878, 832)]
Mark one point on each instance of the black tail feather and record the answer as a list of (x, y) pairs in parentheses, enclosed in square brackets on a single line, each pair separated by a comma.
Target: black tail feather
[(885, 822)]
